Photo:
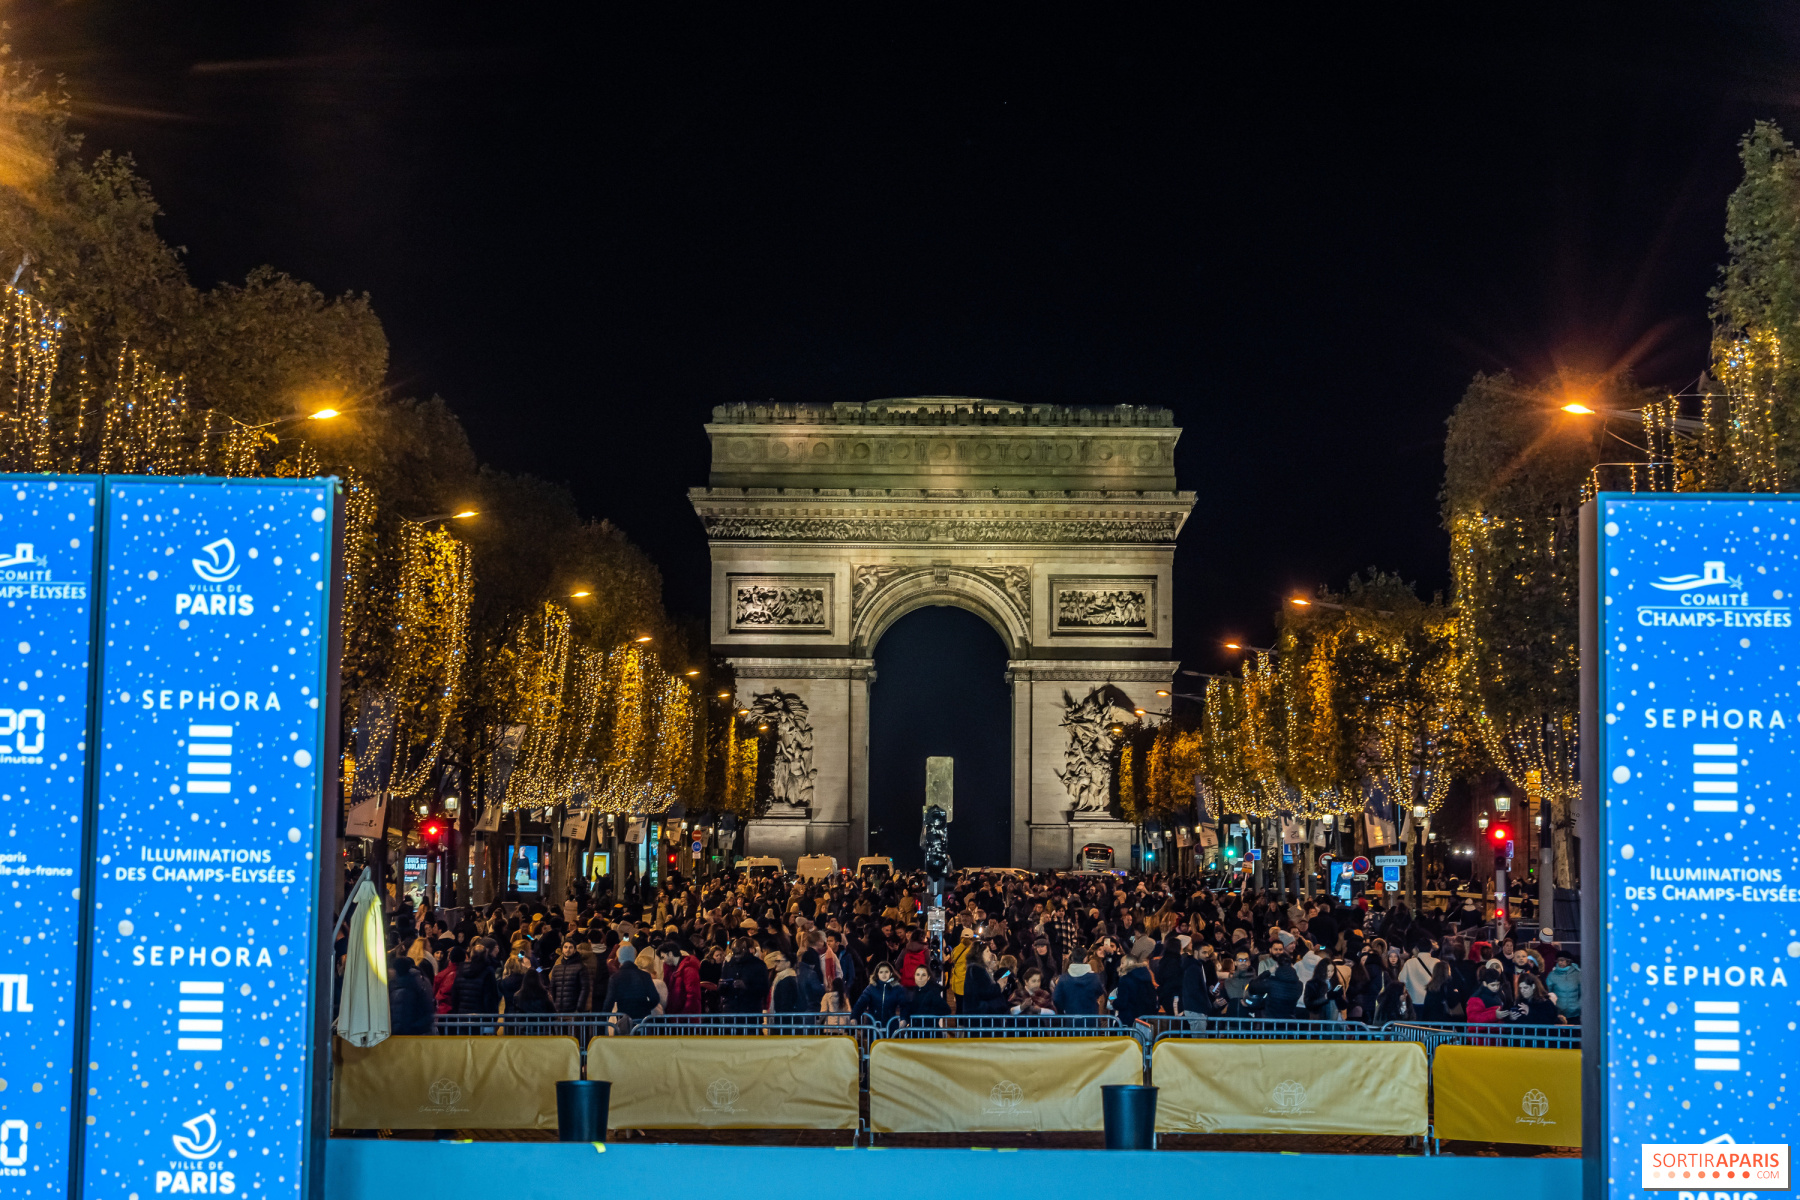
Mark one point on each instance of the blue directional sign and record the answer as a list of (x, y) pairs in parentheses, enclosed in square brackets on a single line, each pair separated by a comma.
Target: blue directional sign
[(1694, 718), (47, 557), (208, 839)]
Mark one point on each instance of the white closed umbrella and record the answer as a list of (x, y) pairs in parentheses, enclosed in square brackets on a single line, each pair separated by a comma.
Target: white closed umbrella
[(363, 1018)]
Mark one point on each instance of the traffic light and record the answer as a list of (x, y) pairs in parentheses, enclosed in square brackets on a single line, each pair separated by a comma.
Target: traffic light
[(1502, 834), (433, 833)]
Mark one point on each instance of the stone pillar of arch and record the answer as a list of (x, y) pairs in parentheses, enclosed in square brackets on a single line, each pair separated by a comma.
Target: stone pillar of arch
[(1056, 525)]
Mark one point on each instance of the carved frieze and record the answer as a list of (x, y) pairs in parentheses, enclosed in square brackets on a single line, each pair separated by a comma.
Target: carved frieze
[(1103, 606), (1087, 755), (1015, 582), (793, 774), (1135, 530), (866, 580), (780, 603)]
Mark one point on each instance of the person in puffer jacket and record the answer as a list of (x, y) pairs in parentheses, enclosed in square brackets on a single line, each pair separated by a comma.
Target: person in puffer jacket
[(681, 972), (411, 1011), (882, 999), (475, 990), (1485, 1005), (1080, 989), (569, 987), (446, 979), (1564, 983)]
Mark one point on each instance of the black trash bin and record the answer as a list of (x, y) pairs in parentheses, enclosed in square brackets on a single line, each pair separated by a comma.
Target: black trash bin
[(581, 1106), (1129, 1110)]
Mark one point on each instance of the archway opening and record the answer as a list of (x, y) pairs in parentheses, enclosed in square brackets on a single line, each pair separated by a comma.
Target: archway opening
[(940, 689)]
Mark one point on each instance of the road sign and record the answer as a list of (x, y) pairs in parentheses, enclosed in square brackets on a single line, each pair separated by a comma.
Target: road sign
[(1390, 875), (207, 958), (1256, 853), (1359, 865), (47, 576), (1287, 854), (1390, 885), (1390, 860), (1688, 941), (934, 920)]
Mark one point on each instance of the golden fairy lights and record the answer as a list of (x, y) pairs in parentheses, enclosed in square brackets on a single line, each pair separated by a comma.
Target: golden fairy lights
[(609, 730)]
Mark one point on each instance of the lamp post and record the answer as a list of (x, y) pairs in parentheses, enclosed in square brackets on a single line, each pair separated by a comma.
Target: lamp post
[(1502, 913), (1418, 854)]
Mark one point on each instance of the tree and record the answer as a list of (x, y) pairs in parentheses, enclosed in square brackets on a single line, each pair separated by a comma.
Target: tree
[(1514, 471), (1752, 441), (115, 361), (1378, 669)]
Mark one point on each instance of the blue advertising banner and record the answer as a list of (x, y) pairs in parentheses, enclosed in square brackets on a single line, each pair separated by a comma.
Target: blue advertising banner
[(1691, 668), (208, 843), (47, 565)]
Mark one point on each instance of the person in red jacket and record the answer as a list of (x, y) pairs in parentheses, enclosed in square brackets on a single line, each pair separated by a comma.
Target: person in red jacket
[(914, 956), (681, 974), (446, 978)]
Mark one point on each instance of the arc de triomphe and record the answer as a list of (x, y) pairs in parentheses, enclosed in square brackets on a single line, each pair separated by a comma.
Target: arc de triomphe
[(1055, 524)]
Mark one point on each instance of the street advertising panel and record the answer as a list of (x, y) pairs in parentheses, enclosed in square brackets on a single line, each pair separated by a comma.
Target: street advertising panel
[(1691, 893), (47, 566), (208, 955)]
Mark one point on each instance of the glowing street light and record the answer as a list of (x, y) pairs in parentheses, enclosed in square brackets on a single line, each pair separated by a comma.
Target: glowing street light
[(1580, 410), (579, 595), (645, 638), (463, 515), (325, 414)]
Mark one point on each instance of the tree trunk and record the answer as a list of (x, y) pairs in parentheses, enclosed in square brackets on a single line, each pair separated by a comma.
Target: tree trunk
[(1563, 820)]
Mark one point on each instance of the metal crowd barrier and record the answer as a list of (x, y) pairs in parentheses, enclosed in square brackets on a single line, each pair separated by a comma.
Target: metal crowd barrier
[(580, 1026), (1008, 1026), (1489, 1033), (863, 1029), (1285, 1029)]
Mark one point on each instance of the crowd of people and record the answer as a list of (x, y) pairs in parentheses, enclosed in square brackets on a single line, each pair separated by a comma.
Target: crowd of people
[(1014, 943)]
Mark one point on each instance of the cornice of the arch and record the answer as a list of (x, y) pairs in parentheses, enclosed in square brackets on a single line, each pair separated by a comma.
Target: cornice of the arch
[(884, 600)]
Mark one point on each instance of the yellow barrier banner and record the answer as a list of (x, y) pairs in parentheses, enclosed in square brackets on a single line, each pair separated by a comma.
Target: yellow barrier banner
[(1220, 1086), (969, 1085), (451, 1082), (797, 1082), (1507, 1094)]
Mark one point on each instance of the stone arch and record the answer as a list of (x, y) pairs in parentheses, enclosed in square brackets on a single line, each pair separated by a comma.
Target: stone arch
[(958, 587)]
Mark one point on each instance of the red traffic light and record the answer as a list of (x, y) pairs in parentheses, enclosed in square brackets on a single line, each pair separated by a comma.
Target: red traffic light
[(1500, 834), (433, 834)]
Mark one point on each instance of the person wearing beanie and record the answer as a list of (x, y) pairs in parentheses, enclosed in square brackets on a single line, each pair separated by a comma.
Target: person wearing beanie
[(630, 990)]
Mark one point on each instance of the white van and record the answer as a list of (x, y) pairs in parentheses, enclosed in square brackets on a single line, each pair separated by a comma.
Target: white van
[(877, 867), (813, 867), (762, 868)]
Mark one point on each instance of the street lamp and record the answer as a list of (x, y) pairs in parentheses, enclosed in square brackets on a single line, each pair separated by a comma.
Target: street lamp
[(1418, 864), (1247, 646), (1305, 603)]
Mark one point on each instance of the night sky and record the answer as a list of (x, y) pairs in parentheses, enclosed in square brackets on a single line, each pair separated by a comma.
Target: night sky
[(1302, 231)]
